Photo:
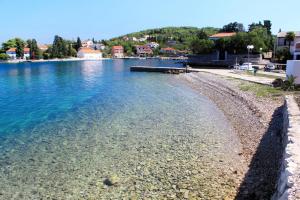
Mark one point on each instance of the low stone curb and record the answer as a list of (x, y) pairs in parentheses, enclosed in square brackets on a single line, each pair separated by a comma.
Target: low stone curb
[(288, 186)]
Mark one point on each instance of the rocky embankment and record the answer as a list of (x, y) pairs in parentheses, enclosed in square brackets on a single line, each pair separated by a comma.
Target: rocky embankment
[(257, 122)]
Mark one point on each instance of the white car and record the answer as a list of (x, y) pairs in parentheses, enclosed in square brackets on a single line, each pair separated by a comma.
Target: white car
[(246, 66)]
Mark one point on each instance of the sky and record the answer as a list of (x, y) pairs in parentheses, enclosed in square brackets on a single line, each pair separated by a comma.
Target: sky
[(104, 19)]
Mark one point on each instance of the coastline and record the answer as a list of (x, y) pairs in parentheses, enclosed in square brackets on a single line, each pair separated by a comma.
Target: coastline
[(50, 60), (256, 121), (82, 59)]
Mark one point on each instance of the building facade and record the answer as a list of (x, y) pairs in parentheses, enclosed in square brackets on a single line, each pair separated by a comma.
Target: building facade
[(153, 45), (117, 52), (89, 54), (87, 43), (144, 51), (13, 55), (295, 45), (168, 50)]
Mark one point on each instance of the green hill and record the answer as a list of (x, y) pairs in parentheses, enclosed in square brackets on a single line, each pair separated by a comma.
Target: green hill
[(179, 36)]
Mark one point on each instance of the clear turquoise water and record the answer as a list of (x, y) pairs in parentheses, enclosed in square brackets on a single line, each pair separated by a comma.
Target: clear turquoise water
[(31, 93), (66, 126)]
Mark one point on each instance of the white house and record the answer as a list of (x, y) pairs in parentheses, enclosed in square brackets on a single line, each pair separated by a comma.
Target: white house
[(13, 55), (87, 43), (153, 45), (295, 45), (89, 54)]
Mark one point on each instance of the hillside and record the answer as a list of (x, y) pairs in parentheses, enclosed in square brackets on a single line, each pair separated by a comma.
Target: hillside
[(177, 37)]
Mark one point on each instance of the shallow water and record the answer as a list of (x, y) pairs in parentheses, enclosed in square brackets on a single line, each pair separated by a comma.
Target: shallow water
[(67, 126)]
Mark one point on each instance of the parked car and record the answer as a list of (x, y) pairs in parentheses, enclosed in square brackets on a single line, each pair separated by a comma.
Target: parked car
[(270, 67), (246, 66)]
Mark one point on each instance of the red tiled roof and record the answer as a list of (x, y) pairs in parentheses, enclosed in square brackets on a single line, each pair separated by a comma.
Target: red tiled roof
[(168, 49), (88, 50), (117, 47), (26, 50), (222, 35)]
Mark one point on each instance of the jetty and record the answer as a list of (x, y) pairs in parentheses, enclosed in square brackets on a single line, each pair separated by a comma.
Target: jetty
[(169, 70)]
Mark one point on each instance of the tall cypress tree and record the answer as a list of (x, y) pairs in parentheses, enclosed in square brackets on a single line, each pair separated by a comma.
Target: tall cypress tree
[(20, 44), (78, 44)]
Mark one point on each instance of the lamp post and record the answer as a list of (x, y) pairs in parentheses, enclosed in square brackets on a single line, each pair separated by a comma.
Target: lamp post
[(250, 48)]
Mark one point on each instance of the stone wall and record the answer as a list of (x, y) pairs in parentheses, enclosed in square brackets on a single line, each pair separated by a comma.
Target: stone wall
[(288, 186), (231, 59)]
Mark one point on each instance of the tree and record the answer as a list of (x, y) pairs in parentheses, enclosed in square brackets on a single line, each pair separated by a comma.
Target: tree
[(71, 51), (78, 44), (255, 25), (59, 48), (233, 27), (283, 54), (35, 52), (20, 44), (202, 35), (4, 56), (268, 26), (222, 44), (201, 46), (290, 37), (9, 44)]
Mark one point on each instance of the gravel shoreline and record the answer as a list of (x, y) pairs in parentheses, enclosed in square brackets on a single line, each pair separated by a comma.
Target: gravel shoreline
[(257, 122)]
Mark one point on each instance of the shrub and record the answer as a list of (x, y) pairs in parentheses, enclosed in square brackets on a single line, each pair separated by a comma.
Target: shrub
[(289, 84), (277, 83), (4, 56)]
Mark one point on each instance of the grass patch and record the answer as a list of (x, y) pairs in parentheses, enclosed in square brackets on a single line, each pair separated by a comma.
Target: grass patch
[(261, 90), (262, 75)]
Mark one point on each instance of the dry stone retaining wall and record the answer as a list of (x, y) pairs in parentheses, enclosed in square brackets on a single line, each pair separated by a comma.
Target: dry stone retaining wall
[(288, 186)]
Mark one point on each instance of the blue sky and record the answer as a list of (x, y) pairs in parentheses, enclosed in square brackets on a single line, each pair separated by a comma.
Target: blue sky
[(103, 19)]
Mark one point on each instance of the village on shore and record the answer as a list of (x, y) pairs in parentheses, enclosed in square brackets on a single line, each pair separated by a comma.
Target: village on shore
[(228, 46)]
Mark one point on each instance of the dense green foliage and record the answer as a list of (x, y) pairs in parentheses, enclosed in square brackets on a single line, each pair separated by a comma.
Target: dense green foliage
[(233, 27), (202, 46), (9, 44), (61, 48), (4, 56), (35, 52), (20, 44), (283, 54)]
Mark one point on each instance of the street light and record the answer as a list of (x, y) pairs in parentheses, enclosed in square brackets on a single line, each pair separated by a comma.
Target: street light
[(250, 48)]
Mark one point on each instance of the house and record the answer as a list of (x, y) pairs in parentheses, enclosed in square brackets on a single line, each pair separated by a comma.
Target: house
[(89, 54), (13, 55), (98, 46), (87, 43), (144, 51), (153, 45), (295, 45), (172, 42), (222, 55), (221, 35), (168, 50), (117, 52)]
